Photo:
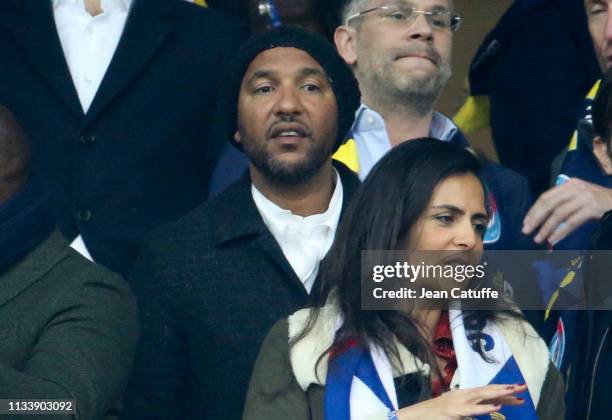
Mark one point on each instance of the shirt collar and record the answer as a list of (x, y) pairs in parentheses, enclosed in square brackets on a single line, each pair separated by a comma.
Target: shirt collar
[(442, 127), (124, 4), (277, 218), (366, 119)]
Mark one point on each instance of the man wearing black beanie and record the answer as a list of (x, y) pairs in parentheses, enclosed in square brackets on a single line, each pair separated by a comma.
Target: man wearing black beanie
[(212, 284)]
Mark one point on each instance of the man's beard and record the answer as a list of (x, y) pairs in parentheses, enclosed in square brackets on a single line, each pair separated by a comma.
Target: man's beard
[(390, 87), (288, 173), (421, 94)]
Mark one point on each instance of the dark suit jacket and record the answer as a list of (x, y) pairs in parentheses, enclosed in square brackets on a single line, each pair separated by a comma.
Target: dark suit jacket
[(67, 331), (140, 157), (209, 288)]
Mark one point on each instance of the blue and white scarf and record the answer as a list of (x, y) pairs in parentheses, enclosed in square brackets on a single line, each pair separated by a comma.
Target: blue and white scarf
[(360, 383)]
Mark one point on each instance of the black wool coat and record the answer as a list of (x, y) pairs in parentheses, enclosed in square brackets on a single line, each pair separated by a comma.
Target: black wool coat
[(209, 288)]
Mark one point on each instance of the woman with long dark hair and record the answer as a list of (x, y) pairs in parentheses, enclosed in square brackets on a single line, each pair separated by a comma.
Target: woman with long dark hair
[(336, 361)]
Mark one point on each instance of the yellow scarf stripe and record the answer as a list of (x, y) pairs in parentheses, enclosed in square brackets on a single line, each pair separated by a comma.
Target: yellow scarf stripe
[(574, 142), (592, 93), (348, 154), (569, 277), (201, 3), (474, 114)]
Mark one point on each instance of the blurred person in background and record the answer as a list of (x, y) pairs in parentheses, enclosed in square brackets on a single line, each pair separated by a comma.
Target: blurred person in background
[(584, 348), (118, 98), (527, 83), (263, 15), (566, 216), (69, 327), (267, 14)]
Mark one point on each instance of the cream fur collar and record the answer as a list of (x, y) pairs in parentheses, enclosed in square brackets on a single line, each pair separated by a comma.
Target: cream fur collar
[(529, 350)]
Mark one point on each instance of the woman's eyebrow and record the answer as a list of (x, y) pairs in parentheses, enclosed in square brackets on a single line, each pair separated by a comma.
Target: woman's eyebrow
[(457, 210), (449, 207), (480, 216)]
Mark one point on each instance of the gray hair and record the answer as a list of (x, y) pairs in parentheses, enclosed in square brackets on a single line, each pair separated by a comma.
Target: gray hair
[(352, 7)]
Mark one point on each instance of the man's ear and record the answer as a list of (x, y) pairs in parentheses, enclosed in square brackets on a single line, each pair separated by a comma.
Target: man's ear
[(237, 137), (601, 150), (345, 39)]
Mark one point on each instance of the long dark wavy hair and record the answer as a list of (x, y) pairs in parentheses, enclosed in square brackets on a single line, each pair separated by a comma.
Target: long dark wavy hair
[(381, 215)]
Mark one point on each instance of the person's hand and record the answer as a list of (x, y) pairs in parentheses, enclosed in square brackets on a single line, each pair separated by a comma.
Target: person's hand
[(461, 403), (563, 209)]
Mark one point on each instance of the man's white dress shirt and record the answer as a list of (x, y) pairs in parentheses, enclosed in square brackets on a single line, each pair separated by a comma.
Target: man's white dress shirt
[(89, 44), (372, 140), (303, 240)]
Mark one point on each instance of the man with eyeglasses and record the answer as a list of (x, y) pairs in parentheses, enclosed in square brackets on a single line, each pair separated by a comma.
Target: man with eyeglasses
[(400, 52)]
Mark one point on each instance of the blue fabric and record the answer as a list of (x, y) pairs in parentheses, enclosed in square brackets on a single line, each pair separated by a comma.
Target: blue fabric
[(549, 277), (373, 142), (229, 168), (367, 373), (354, 361), (511, 374)]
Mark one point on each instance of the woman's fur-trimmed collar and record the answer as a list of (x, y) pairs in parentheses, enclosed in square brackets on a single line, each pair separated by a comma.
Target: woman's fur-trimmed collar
[(305, 354), (529, 350)]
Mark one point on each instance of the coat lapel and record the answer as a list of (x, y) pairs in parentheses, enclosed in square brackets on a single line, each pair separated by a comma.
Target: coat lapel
[(237, 218), (268, 244), (147, 27), (33, 267), (33, 29)]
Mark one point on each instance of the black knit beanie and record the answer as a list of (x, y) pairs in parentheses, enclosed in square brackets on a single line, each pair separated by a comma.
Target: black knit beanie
[(341, 77)]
